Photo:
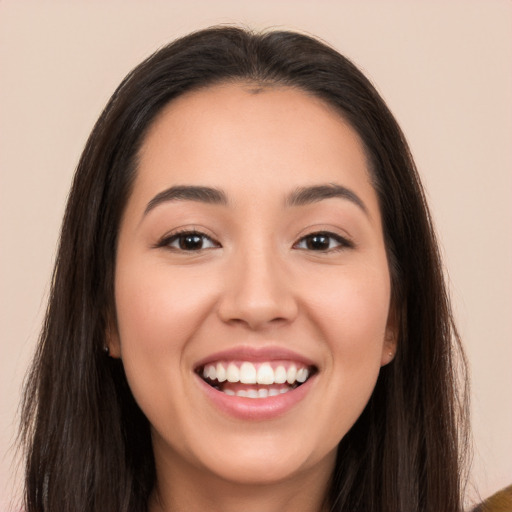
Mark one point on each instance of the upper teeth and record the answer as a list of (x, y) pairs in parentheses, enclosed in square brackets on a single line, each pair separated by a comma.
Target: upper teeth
[(247, 373)]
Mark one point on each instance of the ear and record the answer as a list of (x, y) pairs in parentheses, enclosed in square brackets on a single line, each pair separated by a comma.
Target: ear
[(390, 339), (112, 342)]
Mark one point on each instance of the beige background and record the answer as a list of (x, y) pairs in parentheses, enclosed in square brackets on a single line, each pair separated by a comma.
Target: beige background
[(443, 67)]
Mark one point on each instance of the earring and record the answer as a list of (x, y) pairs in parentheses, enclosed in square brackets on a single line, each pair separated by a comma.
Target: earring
[(106, 350)]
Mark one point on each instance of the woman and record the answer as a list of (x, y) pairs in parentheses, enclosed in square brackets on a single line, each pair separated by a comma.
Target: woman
[(248, 308)]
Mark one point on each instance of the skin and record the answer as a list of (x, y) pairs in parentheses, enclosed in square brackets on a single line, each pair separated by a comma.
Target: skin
[(255, 283)]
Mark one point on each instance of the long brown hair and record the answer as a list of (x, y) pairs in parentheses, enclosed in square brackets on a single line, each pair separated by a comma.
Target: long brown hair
[(87, 442)]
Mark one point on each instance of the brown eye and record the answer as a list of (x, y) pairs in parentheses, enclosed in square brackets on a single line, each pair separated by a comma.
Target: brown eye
[(322, 242), (189, 241), (318, 242)]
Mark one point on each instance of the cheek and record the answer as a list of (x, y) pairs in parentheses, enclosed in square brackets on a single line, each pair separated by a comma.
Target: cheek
[(352, 307), (345, 312), (351, 310), (158, 312), (157, 309)]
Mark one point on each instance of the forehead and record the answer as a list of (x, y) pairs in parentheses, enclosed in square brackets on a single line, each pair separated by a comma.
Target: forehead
[(250, 138), (231, 106)]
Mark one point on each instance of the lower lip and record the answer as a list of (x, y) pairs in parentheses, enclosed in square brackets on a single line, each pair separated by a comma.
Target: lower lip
[(255, 409)]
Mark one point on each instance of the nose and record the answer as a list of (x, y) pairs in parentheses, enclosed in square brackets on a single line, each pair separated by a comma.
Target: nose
[(258, 291)]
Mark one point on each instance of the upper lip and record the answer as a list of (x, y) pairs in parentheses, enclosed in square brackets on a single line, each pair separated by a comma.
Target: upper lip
[(255, 354)]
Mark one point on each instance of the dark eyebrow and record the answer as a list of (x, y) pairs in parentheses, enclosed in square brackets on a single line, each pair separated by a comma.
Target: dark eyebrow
[(307, 195), (188, 193)]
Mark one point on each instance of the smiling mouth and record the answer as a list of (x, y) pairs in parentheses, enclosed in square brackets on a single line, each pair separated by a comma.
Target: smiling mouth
[(255, 380)]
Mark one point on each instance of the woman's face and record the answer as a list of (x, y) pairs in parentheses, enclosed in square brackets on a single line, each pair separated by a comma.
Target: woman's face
[(252, 287)]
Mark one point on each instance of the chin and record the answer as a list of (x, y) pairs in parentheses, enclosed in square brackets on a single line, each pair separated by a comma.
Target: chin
[(263, 461)]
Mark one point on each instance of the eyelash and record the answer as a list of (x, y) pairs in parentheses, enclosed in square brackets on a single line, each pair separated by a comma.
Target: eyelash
[(342, 243), (181, 236)]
